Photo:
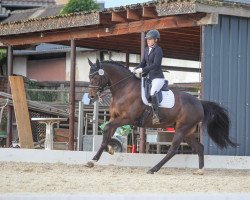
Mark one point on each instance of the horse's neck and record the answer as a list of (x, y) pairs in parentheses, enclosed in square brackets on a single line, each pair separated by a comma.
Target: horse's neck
[(119, 80), (115, 76)]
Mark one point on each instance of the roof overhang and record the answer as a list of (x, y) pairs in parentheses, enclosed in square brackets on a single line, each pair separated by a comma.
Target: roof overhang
[(119, 29)]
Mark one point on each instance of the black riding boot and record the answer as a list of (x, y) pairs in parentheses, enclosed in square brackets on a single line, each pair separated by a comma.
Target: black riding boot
[(155, 107)]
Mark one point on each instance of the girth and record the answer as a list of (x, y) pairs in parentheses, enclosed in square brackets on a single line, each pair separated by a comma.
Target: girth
[(142, 119)]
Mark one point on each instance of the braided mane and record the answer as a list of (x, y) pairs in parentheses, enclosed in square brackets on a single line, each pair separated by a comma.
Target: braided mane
[(117, 64)]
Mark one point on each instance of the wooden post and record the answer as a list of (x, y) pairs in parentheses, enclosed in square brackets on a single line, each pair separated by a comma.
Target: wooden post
[(9, 108), (21, 112), (142, 130), (72, 95)]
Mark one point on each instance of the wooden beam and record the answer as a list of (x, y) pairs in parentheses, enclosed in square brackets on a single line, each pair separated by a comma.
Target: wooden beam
[(118, 29), (132, 15), (21, 112), (149, 12), (238, 11), (105, 19), (110, 43), (116, 17)]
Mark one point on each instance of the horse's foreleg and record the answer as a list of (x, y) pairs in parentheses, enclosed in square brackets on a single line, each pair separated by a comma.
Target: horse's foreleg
[(108, 132)]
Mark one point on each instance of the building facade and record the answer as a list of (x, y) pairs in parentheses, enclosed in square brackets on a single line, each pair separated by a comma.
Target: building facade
[(227, 78)]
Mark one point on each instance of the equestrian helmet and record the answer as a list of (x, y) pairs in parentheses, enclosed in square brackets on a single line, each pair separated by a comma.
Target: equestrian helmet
[(153, 34)]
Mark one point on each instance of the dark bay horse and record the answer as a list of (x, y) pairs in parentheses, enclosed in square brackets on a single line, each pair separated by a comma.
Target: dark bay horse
[(127, 108)]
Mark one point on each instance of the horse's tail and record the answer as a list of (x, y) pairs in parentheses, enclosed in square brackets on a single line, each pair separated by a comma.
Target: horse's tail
[(217, 122)]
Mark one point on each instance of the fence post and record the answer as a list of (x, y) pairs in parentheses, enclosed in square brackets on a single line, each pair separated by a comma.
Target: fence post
[(80, 127)]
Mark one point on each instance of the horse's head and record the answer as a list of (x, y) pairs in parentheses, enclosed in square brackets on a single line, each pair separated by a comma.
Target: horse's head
[(97, 78)]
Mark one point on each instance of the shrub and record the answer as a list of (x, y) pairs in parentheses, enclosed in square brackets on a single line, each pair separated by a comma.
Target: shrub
[(79, 6)]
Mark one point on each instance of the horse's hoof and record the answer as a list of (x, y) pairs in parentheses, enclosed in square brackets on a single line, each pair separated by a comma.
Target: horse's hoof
[(199, 172), (90, 164), (150, 172), (111, 150)]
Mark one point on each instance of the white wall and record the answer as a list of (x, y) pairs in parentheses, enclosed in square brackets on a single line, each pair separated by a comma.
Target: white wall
[(20, 65), (82, 65), (179, 76), (172, 76), (133, 58), (182, 77)]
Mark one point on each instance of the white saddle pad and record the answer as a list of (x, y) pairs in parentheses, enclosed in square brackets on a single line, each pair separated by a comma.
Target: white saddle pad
[(168, 99)]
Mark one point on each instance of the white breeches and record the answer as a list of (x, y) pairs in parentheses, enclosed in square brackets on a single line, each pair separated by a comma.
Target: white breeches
[(157, 84)]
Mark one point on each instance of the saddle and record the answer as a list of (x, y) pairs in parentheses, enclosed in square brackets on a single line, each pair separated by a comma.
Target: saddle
[(147, 84)]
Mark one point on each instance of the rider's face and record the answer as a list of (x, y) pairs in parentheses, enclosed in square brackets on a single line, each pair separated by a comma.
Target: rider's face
[(150, 42)]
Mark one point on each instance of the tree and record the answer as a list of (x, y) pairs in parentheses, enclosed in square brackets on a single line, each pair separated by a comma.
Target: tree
[(79, 6), (3, 61)]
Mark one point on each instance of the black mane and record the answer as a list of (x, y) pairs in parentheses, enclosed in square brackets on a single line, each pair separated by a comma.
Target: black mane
[(116, 63)]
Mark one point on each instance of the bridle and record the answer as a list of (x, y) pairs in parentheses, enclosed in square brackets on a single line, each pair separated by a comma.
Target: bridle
[(104, 86)]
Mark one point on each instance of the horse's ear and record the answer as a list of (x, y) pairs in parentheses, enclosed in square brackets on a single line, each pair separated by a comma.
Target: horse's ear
[(98, 63), (90, 63)]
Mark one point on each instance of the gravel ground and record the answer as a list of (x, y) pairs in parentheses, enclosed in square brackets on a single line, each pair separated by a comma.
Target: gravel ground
[(78, 179)]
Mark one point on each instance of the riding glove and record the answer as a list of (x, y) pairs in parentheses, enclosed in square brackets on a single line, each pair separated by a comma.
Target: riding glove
[(137, 71)]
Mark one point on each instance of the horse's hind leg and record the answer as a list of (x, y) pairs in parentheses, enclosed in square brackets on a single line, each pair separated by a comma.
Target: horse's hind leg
[(199, 148), (171, 152), (178, 137)]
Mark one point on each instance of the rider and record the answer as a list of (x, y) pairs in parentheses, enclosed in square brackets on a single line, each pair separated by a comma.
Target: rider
[(150, 67)]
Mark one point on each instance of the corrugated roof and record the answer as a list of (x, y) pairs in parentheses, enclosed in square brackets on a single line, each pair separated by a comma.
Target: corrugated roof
[(7, 5), (27, 2), (3, 12), (24, 15)]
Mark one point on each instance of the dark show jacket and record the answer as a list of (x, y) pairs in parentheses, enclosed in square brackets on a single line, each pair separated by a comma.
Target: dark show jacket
[(151, 63)]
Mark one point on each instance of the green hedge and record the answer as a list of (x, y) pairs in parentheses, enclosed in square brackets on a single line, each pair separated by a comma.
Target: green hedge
[(79, 6)]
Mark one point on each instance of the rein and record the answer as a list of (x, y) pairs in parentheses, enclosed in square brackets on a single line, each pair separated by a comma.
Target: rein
[(128, 77), (103, 88)]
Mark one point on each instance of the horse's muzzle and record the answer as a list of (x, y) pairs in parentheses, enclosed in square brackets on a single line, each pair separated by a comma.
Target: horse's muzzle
[(93, 92), (91, 96)]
